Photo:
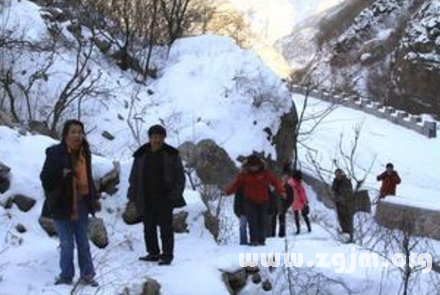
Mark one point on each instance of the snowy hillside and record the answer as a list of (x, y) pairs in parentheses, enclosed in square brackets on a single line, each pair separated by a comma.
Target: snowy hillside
[(29, 262)]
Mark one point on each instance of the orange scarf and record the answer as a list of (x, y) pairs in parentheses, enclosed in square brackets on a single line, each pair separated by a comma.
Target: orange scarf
[(80, 181)]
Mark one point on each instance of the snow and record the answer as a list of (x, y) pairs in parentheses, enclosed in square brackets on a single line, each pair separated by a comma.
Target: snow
[(207, 89), (380, 142)]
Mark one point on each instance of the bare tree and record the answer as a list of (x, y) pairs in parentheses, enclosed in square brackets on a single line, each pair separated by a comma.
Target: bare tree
[(81, 83), (174, 12)]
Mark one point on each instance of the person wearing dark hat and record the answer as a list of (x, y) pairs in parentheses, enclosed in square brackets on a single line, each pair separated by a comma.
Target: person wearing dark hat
[(156, 185), (344, 202), (255, 180)]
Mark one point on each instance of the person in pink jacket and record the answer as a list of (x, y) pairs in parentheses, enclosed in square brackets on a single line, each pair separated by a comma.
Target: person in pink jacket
[(300, 201)]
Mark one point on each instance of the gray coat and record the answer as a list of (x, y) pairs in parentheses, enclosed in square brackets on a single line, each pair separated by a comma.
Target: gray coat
[(174, 177)]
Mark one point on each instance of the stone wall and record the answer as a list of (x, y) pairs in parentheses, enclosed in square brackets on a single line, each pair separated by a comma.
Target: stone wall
[(402, 118), (420, 222)]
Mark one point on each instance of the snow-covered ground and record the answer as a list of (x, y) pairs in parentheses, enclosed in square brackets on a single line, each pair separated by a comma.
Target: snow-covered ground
[(206, 89)]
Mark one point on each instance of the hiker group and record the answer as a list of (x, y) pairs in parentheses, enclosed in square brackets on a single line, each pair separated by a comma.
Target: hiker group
[(156, 185), (261, 199)]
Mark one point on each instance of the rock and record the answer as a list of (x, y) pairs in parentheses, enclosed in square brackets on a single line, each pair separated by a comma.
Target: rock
[(130, 215), (419, 222), (211, 162), (4, 178), (256, 278), (8, 204), (235, 281), (102, 45), (362, 201), (252, 269), (108, 135), (23, 203), (179, 222), (6, 120), (267, 286), (284, 139), (436, 267), (151, 287), (188, 153), (212, 224), (48, 226), (75, 28), (98, 232), (20, 228), (4, 185), (109, 182), (39, 127), (53, 14)]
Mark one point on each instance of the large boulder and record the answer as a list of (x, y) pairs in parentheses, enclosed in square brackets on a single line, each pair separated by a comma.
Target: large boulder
[(420, 222), (23, 203), (98, 232), (211, 162), (4, 178)]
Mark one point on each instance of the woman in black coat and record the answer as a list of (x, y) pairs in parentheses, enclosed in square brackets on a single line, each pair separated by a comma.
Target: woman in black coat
[(70, 198)]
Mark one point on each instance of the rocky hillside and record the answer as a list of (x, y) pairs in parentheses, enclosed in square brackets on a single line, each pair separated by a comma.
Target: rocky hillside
[(384, 49)]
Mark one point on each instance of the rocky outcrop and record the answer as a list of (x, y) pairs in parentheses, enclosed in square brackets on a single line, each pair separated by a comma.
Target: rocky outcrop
[(374, 43)]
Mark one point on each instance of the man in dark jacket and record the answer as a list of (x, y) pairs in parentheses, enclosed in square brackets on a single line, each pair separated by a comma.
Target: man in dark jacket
[(157, 181), (390, 179), (344, 201)]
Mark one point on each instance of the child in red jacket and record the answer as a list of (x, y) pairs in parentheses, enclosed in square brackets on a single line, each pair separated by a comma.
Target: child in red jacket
[(255, 180)]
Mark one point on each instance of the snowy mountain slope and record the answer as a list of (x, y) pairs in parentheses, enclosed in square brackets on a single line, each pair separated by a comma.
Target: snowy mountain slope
[(387, 42)]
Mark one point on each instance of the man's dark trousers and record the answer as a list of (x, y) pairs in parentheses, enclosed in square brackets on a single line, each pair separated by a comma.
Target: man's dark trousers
[(159, 212)]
